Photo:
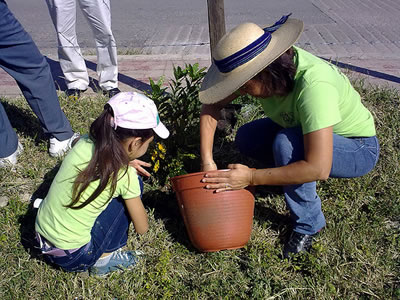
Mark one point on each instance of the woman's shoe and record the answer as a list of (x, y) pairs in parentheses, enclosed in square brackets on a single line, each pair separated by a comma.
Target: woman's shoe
[(298, 242)]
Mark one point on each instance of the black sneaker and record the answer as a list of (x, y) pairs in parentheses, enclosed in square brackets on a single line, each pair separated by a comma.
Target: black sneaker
[(111, 93), (298, 242), (74, 93)]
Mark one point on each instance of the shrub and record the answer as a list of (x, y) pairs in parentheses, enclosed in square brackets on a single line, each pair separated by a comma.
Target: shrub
[(179, 110)]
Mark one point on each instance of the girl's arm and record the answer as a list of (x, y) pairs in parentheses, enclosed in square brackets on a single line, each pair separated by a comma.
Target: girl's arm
[(317, 164), (138, 214), (209, 116)]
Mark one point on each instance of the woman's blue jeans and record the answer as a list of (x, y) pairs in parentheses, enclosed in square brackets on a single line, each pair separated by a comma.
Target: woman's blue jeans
[(109, 233), (263, 139)]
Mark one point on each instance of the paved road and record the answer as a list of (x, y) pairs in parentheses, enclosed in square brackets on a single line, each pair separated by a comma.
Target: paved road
[(333, 28), (363, 35)]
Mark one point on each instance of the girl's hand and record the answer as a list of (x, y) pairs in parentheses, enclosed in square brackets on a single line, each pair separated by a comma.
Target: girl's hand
[(138, 165), (237, 177)]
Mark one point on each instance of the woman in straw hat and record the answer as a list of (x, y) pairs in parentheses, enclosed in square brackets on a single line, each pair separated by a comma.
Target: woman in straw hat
[(316, 127)]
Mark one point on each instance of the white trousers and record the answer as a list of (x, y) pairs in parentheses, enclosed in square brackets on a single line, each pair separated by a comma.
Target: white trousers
[(98, 15)]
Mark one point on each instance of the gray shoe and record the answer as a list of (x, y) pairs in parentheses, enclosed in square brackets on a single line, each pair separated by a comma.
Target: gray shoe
[(119, 261), (12, 159)]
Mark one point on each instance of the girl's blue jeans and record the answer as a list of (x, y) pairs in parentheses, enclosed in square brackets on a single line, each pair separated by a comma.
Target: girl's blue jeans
[(269, 143), (109, 233)]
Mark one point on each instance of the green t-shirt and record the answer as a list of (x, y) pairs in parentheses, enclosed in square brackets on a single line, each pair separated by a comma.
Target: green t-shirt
[(68, 228), (322, 97)]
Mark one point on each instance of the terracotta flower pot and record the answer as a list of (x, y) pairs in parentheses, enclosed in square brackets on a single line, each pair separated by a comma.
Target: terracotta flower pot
[(214, 221)]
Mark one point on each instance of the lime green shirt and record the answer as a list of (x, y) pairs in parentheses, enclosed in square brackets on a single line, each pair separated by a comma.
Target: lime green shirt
[(68, 228), (322, 97)]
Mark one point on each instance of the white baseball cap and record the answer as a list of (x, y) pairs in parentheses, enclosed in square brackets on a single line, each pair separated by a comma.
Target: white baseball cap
[(133, 110)]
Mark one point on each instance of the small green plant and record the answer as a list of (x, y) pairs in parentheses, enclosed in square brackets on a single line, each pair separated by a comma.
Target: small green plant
[(179, 109)]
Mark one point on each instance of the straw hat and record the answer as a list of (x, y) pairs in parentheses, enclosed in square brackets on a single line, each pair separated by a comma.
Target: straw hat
[(244, 52)]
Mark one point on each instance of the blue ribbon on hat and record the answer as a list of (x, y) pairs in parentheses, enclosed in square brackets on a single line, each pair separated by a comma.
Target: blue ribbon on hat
[(249, 52)]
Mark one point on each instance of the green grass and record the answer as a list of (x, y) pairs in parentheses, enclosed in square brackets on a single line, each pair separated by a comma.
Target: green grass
[(357, 256), (120, 51)]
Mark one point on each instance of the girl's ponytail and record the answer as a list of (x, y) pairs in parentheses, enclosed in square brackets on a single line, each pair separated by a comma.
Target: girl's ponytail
[(108, 158)]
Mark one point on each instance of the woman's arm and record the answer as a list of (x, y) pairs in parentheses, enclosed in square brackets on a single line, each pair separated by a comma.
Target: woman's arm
[(138, 214), (209, 116), (317, 163)]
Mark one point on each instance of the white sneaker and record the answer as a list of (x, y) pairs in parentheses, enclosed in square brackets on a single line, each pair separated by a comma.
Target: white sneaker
[(12, 159), (59, 148)]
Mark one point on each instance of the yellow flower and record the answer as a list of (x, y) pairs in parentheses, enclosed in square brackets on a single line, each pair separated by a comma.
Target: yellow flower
[(156, 166), (161, 147), (154, 155)]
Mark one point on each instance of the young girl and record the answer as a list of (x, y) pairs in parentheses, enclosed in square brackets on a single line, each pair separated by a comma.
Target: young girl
[(83, 222)]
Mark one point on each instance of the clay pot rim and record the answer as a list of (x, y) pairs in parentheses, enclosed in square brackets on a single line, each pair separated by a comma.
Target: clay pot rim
[(197, 174)]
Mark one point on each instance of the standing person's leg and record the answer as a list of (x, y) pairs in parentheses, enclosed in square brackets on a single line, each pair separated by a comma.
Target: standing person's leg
[(63, 14), (20, 58), (8, 140), (98, 15)]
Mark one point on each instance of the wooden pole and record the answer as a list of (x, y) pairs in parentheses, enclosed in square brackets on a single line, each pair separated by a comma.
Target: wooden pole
[(216, 22)]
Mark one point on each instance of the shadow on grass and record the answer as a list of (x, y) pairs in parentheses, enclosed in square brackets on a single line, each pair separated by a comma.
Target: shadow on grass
[(24, 122), (166, 208), (28, 236), (27, 221), (27, 231), (280, 223), (277, 222), (44, 187)]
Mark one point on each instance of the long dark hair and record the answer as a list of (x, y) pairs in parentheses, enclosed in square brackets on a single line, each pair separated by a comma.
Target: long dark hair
[(278, 76), (108, 158)]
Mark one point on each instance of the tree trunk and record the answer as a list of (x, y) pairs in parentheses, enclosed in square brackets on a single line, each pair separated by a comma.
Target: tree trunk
[(216, 22)]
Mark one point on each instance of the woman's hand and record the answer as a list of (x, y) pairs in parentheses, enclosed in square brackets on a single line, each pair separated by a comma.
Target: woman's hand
[(237, 177), (138, 165), (210, 166)]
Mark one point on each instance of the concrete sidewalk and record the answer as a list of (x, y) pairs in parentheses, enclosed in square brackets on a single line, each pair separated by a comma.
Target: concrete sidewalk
[(135, 71)]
